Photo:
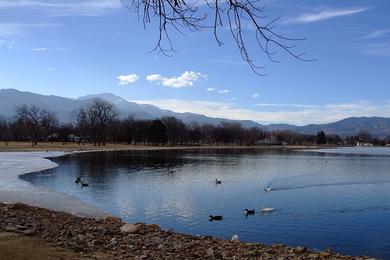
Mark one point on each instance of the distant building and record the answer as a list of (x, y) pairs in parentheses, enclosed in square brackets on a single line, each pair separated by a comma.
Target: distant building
[(362, 144)]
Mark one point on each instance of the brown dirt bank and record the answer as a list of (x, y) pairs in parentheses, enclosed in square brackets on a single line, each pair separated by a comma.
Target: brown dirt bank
[(59, 146), (102, 239), (20, 247)]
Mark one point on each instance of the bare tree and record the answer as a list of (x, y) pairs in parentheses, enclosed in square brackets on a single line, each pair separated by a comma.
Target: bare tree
[(196, 15), (81, 123), (37, 121), (48, 122), (95, 119), (175, 129), (4, 131)]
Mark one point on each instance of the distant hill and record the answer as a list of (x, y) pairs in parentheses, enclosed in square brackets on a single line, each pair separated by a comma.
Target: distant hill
[(376, 126), (63, 107)]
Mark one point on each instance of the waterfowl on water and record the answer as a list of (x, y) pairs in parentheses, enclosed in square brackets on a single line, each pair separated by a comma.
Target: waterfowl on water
[(267, 189), (265, 210), (211, 218), (78, 180), (217, 181), (249, 211), (84, 184)]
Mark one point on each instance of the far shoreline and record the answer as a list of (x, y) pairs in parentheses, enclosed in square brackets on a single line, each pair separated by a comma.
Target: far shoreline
[(74, 147)]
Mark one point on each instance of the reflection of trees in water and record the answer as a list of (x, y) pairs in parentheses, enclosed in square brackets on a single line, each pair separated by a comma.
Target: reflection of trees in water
[(104, 168), (102, 165)]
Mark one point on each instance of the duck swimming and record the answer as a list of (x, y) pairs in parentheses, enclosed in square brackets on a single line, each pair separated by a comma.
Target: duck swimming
[(84, 184), (217, 181), (211, 218), (267, 210), (249, 211)]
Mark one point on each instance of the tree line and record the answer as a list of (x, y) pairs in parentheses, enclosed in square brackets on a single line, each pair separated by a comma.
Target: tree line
[(98, 123)]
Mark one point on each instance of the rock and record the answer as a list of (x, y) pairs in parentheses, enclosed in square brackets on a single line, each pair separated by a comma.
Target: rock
[(21, 227), (210, 253), (98, 242), (113, 242), (27, 232), (112, 219), (300, 249), (129, 228), (153, 227), (10, 229), (177, 247), (234, 238), (157, 240)]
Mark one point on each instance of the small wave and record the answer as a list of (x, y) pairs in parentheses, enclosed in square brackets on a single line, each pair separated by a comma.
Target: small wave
[(310, 180)]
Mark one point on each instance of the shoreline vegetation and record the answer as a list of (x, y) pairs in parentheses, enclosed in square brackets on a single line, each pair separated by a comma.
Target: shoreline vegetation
[(99, 123), (36, 232), (75, 147)]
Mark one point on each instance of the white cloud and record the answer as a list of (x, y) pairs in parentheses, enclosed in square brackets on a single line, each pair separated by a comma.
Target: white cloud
[(376, 34), (305, 115), (223, 91), (210, 89), (127, 79), (326, 14), (378, 49), (6, 44), (15, 29), (255, 95), (39, 49), (11, 33), (186, 79), (64, 8), (50, 69), (285, 105)]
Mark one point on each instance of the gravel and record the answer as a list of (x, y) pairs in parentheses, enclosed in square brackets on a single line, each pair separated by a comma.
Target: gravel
[(139, 240)]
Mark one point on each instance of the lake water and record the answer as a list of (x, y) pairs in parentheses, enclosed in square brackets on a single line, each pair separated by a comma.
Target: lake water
[(321, 200)]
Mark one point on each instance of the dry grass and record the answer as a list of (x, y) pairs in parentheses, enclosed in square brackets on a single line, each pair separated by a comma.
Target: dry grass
[(60, 146)]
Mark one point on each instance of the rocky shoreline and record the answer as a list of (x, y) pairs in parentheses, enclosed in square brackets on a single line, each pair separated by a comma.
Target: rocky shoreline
[(114, 237)]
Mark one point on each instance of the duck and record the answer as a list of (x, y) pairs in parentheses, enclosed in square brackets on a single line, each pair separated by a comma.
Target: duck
[(267, 189), (78, 180), (84, 184), (218, 181), (266, 210), (211, 218), (249, 211)]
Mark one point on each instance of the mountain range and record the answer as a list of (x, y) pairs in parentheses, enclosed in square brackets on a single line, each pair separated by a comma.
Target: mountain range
[(64, 107)]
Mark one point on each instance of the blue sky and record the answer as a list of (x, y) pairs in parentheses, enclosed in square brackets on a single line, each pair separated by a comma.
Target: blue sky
[(74, 48)]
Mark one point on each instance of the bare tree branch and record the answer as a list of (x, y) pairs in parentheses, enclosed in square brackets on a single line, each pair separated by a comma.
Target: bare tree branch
[(192, 15)]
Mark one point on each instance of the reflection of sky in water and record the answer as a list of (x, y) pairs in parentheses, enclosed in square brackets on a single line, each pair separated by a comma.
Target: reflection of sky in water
[(321, 200)]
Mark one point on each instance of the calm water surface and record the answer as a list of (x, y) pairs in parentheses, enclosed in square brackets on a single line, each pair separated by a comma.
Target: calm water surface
[(336, 200)]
